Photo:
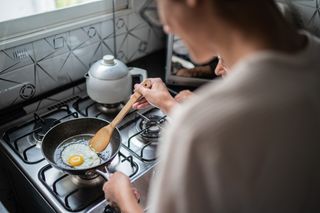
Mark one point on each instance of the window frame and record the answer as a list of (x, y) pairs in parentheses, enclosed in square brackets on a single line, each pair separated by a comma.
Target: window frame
[(24, 29)]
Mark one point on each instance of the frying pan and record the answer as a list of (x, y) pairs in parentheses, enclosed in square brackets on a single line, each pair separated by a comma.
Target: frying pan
[(79, 126)]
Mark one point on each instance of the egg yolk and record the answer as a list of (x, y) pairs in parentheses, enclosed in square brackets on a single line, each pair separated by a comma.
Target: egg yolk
[(75, 160)]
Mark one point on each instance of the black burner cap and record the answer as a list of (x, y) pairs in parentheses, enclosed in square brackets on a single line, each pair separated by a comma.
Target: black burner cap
[(151, 126)]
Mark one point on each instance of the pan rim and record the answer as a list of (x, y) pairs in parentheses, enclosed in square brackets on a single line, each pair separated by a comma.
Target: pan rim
[(69, 170)]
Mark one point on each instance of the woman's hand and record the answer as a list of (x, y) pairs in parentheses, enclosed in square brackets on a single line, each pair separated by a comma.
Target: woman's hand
[(158, 96), (183, 95), (118, 190)]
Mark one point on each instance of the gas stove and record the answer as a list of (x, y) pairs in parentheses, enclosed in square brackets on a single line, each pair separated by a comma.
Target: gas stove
[(59, 192)]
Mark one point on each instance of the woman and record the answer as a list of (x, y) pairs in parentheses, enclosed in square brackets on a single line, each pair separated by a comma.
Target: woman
[(249, 143)]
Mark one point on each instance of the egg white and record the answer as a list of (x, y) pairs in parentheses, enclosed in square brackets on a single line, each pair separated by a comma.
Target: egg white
[(90, 157)]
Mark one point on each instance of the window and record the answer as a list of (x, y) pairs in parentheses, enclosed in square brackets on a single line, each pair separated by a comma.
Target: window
[(19, 18)]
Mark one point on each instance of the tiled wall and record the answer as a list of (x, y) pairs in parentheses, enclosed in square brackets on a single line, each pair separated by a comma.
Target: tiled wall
[(30, 69), (309, 10)]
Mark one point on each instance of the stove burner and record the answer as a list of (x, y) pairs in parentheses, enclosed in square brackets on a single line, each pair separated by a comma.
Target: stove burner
[(87, 182), (114, 163), (42, 126), (151, 124), (122, 164), (109, 108)]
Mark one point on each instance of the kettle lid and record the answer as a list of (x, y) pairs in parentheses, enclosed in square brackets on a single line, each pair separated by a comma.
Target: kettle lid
[(108, 68)]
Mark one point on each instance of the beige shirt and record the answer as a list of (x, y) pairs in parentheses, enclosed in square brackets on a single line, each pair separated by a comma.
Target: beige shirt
[(248, 143)]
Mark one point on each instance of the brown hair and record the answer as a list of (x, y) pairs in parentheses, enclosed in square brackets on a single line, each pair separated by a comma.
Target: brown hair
[(247, 14)]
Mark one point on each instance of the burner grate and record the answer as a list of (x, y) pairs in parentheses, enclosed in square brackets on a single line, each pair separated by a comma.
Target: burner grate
[(21, 138), (83, 105), (89, 108), (74, 197), (143, 133)]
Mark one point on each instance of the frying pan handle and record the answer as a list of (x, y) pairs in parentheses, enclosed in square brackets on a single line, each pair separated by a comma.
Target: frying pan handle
[(105, 175), (112, 207)]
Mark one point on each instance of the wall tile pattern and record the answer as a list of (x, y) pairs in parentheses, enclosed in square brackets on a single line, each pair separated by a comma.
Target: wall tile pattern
[(31, 69), (309, 10)]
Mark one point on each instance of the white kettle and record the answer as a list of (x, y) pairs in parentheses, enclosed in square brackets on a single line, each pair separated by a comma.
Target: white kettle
[(109, 81)]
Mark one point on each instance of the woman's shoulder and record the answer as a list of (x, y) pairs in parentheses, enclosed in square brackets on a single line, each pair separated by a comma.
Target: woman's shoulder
[(211, 109)]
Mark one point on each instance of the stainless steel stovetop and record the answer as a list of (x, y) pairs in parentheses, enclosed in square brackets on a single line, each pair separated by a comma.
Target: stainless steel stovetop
[(21, 143)]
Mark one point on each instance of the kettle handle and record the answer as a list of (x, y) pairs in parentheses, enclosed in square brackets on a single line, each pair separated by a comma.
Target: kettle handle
[(138, 71)]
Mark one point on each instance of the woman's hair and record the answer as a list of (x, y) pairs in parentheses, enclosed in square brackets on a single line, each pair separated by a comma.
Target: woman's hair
[(249, 15)]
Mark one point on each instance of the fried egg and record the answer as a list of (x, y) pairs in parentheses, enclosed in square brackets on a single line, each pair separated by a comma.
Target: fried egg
[(80, 156)]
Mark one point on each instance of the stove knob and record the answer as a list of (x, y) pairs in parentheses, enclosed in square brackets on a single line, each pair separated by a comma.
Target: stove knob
[(110, 209)]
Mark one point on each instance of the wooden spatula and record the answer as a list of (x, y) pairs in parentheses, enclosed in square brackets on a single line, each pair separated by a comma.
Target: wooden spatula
[(102, 138)]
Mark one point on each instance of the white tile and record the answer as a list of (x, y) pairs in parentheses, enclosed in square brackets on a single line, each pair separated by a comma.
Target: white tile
[(77, 38), (106, 29), (54, 99), (73, 69), (59, 43), (138, 4), (17, 86), (6, 61), (149, 13), (93, 32), (156, 40), (306, 3), (82, 37), (46, 80), (310, 14), (121, 25), (138, 43), (305, 11), (107, 46), (88, 54), (64, 69), (22, 55), (122, 47), (135, 21), (43, 49), (54, 65)]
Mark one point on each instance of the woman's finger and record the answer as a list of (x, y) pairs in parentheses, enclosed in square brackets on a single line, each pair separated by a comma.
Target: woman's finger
[(139, 103), (142, 106)]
